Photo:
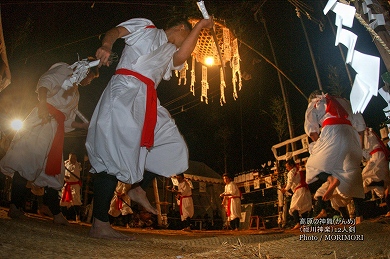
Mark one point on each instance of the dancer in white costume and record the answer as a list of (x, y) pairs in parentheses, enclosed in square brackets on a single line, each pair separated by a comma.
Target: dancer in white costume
[(71, 192), (184, 200), (120, 203), (231, 201), (301, 201), (35, 154), (338, 202), (336, 153), (130, 131), (376, 174)]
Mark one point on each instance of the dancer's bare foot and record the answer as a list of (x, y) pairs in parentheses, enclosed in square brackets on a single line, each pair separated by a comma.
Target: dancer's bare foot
[(358, 220), (297, 226), (104, 230), (59, 219), (333, 183), (321, 215), (138, 195), (43, 210)]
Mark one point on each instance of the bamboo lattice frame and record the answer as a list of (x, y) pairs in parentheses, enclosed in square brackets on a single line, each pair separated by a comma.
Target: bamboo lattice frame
[(206, 47)]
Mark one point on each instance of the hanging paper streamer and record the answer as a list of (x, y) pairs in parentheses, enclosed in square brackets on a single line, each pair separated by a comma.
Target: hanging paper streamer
[(205, 85), (192, 86), (375, 19), (385, 93), (227, 49), (367, 67), (268, 182), (247, 187), (183, 74), (222, 87), (236, 69)]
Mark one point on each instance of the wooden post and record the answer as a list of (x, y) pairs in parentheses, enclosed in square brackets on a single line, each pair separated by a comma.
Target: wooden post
[(157, 199), (86, 180)]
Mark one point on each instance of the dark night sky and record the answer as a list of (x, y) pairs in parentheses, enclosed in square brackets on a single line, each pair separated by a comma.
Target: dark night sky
[(56, 31)]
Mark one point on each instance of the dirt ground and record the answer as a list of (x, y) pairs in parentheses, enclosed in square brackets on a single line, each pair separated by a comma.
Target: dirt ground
[(37, 237)]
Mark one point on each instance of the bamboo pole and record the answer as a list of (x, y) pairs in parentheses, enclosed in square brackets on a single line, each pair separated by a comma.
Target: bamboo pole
[(310, 50), (157, 199), (283, 88)]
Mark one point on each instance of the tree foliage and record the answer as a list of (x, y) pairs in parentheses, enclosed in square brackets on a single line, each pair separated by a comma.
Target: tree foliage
[(279, 119)]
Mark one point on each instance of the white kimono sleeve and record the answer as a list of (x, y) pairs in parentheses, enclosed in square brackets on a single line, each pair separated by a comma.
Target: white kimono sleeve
[(311, 121), (53, 78)]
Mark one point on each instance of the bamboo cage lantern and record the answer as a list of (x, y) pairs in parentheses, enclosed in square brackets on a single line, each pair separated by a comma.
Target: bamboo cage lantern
[(206, 53)]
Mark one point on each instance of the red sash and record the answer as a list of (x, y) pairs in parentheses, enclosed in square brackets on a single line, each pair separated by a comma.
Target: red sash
[(119, 203), (181, 203), (302, 183), (54, 158), (335, 121), (67, 195), (334, 108), (382, 147), (147, 137), (378, 149), (228, 211)]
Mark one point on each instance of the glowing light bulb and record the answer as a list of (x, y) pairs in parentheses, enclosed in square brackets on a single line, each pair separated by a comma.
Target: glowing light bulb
[(209, 61), (17, 124)]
